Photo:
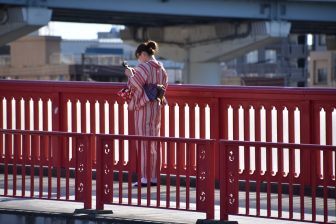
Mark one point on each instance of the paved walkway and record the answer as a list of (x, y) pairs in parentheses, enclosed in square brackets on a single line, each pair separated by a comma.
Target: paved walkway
[(140, 214), (9, 205)]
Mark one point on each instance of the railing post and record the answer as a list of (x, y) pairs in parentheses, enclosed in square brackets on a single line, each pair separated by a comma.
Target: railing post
[(205, 183), (84, 170), (91, 139), (104, 174), (216, 120), (132, 144), (307, 132), (229, 164), (99, 176)]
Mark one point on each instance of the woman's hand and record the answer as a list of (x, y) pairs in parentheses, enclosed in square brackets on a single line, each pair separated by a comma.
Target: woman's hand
[(129, 72)]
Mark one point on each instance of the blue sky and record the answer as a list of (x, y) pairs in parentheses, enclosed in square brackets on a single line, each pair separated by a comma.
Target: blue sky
[(74, 30)]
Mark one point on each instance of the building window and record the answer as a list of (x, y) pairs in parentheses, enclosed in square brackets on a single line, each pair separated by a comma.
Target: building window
[(322, 40), (301, 62), (232, 63), (270, 56), (252, 57), (302, 39), (322, 75)]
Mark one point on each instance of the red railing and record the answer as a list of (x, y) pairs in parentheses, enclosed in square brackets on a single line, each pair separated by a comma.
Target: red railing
[(32, 169), (33, 158), (263, 114), (293, 115), (314, 202), (111, 160)]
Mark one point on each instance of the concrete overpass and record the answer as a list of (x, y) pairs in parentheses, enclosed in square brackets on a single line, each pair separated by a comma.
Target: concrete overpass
[(305, 15), (196, 32)]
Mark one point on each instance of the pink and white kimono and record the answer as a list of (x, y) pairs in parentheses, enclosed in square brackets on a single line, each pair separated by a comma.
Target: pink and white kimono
[(147, 114)]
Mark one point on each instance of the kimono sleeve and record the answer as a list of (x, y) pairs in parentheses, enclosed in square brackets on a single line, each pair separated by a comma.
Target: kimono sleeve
[(138, 80), (165, 79)]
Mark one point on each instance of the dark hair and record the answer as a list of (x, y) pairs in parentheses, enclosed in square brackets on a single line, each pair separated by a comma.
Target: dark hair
[(150, 47)]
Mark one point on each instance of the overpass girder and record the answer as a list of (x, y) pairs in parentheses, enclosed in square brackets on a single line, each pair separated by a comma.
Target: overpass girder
[(211, 42), (20, 21)]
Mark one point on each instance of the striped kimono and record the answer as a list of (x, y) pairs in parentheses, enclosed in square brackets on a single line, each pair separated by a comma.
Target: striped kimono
[(147, 114)]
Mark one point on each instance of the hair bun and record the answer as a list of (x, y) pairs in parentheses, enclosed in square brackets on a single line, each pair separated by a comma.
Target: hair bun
[(152, 45)]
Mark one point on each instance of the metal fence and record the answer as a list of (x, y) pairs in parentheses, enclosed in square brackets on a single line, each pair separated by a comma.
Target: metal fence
[(277, 194)]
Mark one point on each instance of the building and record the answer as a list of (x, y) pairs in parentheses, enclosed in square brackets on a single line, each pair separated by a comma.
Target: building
[(50, 58), (322, 62), (30, 58), (283, 63)]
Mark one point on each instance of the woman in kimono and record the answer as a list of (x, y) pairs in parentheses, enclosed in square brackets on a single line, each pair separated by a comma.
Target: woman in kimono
[(147, 112)]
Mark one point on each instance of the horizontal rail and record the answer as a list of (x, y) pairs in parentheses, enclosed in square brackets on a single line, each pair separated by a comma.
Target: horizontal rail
[(49, 133), (145, 161), (278, 144), (33, 167), (303, 117), (269, 191), (154, 138)]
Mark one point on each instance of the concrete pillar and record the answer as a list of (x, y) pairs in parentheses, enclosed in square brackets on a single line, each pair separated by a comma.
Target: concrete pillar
[(208, 73), (21, 21), (202, 47)]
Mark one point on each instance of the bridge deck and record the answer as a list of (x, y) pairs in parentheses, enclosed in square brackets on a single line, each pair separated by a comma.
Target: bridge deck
[(17, 205)]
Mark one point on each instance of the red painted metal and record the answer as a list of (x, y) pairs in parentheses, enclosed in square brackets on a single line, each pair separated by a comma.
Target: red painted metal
[(182, 155), (1, 127), (229, 182), (24, 162), (218, 98), (192, 135), (43, 140), (170, 147), (247, 156), (41, 155), (268, 156), (280, 159), (177, 159), (258, 171), (291, 159), (169, 168), (229, 168), (204, 176)]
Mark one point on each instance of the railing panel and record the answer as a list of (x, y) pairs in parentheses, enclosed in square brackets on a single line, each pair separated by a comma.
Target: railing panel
[(268, 121), (149, 196), (42, 176), (278, 115), (23, 109), (295, 198), (325, 134), (205, 106), (1, 127), (229, 166)]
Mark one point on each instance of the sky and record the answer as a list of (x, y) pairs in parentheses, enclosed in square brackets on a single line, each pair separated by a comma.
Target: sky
[(69, 30)]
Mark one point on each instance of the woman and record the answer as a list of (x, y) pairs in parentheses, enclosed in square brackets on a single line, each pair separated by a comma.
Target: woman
[(147, 113)]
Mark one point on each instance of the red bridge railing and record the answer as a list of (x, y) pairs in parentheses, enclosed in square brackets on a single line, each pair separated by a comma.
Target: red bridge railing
[(277, 187), (174, 190), (252, 114), (284, 115), (32, 169)]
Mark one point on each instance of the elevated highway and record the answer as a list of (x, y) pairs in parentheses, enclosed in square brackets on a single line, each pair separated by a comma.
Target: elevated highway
[(305, 15), (197, 32)]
